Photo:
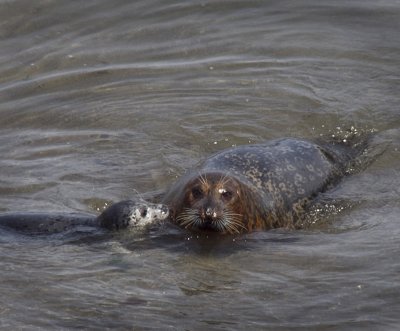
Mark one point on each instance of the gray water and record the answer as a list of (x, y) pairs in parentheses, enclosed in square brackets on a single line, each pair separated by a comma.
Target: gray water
[(104, 100)]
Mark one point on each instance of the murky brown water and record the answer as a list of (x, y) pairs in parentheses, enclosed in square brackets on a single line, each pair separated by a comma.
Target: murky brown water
[(100, 100)]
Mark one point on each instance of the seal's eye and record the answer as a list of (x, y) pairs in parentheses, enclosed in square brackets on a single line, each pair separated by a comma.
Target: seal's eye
[(226, 195), (143, 211), (197, 193)]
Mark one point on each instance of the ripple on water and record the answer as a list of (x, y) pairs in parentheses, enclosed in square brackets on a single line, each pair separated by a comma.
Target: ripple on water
[(108, 99)]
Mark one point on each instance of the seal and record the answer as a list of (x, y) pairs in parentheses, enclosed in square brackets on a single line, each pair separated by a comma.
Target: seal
[(257, 187), (121, 215)]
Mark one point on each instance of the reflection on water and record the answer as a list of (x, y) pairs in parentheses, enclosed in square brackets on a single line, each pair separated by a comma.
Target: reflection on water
[(102, 100)]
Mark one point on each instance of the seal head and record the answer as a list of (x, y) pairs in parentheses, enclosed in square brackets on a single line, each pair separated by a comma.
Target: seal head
[(132, 213), (211, 201)]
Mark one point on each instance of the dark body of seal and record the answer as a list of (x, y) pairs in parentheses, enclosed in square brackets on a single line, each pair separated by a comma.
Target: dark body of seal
[(256, 187), (124, 214)]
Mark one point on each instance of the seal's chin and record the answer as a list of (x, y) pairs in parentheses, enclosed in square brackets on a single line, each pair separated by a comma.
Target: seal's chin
[(208, 226)]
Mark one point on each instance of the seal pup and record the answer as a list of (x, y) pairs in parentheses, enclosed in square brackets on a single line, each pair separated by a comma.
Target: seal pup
[(257, 187), (121, 215)]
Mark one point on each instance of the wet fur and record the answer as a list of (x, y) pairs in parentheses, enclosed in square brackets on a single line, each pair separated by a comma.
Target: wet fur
[(271, 184)]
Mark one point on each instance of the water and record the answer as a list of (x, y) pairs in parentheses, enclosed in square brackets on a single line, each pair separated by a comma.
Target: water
[(102, 100)]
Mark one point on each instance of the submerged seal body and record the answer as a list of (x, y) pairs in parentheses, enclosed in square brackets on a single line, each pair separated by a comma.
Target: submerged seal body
[(256, 187), (124, 214)]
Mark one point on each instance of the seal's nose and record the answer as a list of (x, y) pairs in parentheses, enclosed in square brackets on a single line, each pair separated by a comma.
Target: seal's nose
[(210, 214), (164, 210)]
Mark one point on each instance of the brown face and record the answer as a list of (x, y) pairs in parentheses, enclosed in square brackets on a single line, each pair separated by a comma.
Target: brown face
[(212, 202)]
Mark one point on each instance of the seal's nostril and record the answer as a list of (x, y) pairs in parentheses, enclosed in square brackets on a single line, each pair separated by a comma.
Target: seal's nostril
[(165, 210)]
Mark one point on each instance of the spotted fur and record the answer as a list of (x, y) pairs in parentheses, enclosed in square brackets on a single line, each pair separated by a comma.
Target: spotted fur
[(270, 185)]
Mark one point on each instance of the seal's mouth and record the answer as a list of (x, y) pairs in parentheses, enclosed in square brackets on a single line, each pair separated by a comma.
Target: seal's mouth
[(208, 226), (226, 223)]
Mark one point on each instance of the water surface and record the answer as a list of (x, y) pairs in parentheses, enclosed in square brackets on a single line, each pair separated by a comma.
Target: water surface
[(100, 101)]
